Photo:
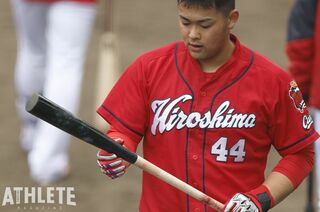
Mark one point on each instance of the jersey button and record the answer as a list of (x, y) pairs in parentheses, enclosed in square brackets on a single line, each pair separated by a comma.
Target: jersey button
[(197, 210), (195, 157), (203, 93)]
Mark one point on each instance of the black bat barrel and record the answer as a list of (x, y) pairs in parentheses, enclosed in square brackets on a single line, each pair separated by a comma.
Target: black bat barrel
[(57, 116)]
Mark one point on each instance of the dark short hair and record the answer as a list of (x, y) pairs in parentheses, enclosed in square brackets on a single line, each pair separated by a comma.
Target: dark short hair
[(224, 6)]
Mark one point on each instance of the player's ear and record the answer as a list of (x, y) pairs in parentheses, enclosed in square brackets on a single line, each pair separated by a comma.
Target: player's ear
[(233, 18)]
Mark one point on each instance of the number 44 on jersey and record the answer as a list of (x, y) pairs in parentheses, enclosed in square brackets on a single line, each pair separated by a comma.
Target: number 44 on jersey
[(237, 151)]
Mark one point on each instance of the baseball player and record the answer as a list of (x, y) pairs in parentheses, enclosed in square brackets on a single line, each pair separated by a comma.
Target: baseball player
[(303, 50), (209, 109), (52, 39)]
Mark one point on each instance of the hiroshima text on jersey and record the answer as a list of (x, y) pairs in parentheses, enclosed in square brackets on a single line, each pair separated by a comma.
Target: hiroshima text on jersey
[(169, 115)]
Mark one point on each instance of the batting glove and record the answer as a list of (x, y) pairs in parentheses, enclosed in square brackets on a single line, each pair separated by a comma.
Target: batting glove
[(257, 200), (110, 164)]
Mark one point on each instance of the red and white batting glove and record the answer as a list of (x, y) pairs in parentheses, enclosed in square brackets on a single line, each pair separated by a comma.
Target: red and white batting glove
[(257, 200), (110, 164)]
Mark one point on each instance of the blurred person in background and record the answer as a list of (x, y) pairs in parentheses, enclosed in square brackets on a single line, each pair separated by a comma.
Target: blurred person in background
[(52, 40), (303, 51)]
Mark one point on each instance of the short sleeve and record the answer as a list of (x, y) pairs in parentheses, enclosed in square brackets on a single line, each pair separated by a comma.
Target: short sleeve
[(291, 127), (125, 107)]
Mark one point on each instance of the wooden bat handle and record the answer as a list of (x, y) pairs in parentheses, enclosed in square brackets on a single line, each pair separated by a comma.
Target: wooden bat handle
[(177, 183)]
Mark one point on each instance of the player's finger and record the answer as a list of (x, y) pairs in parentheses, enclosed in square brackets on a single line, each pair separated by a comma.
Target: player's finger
[(113, 176), (230, 206), (118, 175), (106, 156), (115, 170), (113, 164), (110, 163)]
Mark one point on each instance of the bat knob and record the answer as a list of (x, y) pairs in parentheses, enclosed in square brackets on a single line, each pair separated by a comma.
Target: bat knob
[(32, 102)]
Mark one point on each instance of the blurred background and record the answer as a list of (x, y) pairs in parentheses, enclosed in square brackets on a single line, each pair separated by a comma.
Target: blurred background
[(139, 25)]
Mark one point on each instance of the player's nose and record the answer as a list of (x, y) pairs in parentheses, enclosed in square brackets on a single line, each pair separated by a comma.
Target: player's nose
[(194, 33)]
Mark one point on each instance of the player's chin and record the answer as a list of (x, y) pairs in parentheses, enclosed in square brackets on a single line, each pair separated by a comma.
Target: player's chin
[(196, 55)]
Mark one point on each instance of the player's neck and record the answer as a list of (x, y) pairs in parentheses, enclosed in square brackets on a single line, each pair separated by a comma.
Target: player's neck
[(212, 65)]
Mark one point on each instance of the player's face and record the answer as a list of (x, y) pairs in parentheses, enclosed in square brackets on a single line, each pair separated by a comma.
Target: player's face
[(205, 31)]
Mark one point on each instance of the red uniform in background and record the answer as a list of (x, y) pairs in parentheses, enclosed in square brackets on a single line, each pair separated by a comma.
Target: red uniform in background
[(303, 50), (207, 129)]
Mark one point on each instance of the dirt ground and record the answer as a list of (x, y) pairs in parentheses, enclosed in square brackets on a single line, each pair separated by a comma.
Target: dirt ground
[(140, 25)]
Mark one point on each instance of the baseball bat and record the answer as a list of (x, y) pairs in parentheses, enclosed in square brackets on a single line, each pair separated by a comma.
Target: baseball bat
[(57, 116), (108, 65)]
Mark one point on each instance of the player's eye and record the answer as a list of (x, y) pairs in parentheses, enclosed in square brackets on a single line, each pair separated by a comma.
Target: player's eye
[(205, 26), (185, 23)]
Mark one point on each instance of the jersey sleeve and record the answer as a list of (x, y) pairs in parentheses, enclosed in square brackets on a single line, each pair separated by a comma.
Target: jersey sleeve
[(291, 128), (297, 166), (125, 107)]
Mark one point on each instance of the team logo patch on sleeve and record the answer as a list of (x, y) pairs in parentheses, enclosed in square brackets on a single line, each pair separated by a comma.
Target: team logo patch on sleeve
[(296, 97)]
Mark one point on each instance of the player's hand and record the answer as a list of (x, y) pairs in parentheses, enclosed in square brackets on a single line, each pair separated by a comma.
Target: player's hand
[(110, 164), (242, 203), (257, 200)]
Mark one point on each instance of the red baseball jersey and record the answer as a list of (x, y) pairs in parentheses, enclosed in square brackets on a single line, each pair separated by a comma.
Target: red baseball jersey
[(211, 130)]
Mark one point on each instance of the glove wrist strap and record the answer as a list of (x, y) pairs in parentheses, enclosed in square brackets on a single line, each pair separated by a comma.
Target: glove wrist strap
[(263, 196)]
